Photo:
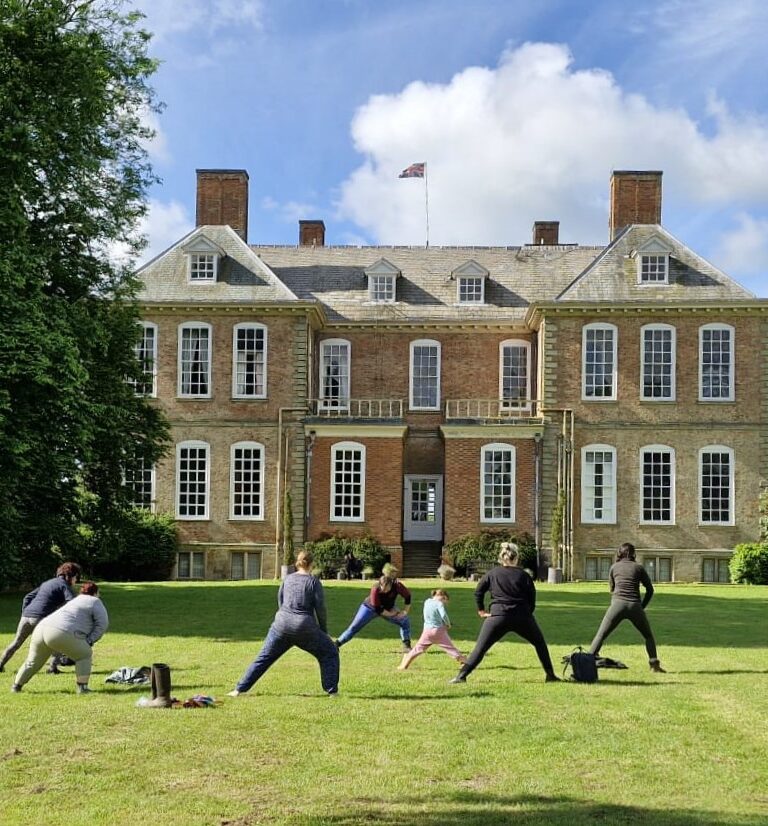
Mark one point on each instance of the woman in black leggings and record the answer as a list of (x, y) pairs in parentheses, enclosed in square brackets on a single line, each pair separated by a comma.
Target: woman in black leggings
[(513, 601), (625, 578)]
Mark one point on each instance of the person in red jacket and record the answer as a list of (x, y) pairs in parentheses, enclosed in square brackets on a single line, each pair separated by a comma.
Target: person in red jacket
[(381, 603)]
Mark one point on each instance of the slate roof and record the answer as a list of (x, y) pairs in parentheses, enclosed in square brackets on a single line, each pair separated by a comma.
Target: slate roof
[(612, 276), (242, 276), (518, 276)]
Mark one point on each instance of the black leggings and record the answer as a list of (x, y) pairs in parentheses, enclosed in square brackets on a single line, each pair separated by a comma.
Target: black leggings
[(495, 627), (617, 612)]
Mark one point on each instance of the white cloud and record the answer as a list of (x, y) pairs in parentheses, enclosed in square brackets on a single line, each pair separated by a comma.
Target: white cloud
[(745, 248), (157, 147), (289, 211), (166, 18), (164, 224), (535, 139)]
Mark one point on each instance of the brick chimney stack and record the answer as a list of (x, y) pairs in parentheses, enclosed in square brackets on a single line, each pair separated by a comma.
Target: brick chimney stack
[(546, 233), (222, 198), (635, 199), (311, 234)]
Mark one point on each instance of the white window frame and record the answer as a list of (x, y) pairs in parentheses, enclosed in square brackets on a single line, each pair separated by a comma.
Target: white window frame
[(599, 560), (205, 515), (337, 448), (152, 484), (731, 485), (511, 403), (484, 450), (731, 363), (195, 260), (342, 401), (379, 283), (194, 325), (651, 564), (257, 447), (588, 487), (644, 268), (247, 557), (149, 376), (235, 353), (191, 555), (717, 562), (462, 282), (585, 331), (672, 484), (424, 342), (651, 328)]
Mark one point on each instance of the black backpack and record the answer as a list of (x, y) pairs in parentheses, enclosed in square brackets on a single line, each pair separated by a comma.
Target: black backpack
[(583, 666)]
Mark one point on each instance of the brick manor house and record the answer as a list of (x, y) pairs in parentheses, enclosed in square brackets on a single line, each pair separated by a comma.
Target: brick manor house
[(422, 393)]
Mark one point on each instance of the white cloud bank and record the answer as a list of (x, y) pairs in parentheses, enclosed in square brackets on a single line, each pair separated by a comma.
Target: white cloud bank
[(534, 139), (745, 248), (166, 18), (164, 224)]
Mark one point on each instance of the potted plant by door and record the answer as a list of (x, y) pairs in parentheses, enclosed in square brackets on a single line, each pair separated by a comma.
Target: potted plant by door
[(555, 572), (288, 557)]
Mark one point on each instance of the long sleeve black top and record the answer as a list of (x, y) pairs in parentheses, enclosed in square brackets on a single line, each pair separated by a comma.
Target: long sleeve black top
[(511, 589), (625, 578)]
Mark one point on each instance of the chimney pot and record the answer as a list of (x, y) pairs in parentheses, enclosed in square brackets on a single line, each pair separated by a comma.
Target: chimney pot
[(222, 198), (311, 233), (635, 199), (546, 233)]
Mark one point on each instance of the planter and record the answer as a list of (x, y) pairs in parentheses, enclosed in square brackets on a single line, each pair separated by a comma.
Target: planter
[(446, 572), (554, 576), (287, 569)]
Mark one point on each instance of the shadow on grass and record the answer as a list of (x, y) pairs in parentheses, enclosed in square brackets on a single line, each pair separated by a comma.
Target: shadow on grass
[(453, 695), (480, 809)]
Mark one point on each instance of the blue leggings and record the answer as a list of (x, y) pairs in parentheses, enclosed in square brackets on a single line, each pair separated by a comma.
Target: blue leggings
[(365, 614), (278, 641)]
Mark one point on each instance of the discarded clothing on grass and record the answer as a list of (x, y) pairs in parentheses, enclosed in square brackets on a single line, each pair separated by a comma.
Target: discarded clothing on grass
[(130, 676), (198, 701), (600, 662)]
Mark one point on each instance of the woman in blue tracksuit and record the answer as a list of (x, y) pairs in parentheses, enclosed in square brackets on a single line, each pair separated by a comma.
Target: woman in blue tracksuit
[(300, 621)]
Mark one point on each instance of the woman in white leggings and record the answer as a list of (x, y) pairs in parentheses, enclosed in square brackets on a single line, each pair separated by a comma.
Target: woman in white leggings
[(72, 630)]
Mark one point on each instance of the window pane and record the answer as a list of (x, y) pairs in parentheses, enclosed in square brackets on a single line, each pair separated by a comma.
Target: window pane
[(139, 478), (598, 364), (599, 486), (470, 290), (193, 478), (382, 287), (424, 373), (715, 487), (334, 378), (195, 358), (716, 364), (498, 484), (247, 472), (348, 480), (658, 365), (253, 566), (238, 565), (653, 269), (657, 486), (183, 566), (514, 377), (144, 351), (198, 565), (202, 267), (250, 361)]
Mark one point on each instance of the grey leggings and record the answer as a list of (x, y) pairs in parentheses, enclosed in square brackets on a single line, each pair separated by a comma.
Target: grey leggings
[(617, 612), (46, 641)]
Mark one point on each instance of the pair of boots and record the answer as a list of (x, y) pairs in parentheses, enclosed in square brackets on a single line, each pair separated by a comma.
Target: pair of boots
[(161, 686)]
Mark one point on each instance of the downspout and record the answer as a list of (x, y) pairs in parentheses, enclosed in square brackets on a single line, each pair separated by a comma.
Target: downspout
[(537, 445), (569, 500)]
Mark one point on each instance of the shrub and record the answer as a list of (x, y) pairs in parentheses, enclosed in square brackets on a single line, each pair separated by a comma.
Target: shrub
[(329, 552), (749, 563), (481, 550), (138, 546)]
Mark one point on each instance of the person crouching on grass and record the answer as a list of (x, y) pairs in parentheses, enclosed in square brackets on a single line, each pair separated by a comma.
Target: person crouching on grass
[(381, 603), (436, 625), (513, 601)]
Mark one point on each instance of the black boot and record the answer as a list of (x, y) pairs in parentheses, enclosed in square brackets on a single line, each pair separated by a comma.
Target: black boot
[(161, 686)]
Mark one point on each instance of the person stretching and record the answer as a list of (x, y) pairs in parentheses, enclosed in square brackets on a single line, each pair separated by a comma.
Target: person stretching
[(436, 625), (381, 603), (513, 601), (301, 620), (625, 578)]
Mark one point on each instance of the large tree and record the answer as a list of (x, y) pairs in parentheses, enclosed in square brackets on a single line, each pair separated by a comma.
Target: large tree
[(74, 175)]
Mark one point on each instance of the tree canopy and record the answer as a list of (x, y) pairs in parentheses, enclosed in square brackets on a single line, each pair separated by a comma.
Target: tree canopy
[(74, 96)]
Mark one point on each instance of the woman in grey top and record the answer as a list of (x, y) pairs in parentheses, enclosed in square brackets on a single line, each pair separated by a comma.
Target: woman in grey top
[(72, 630), (300, 621), (625, 578)]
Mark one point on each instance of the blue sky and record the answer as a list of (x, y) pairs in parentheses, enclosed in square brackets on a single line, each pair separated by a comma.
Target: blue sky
[(521, 110)]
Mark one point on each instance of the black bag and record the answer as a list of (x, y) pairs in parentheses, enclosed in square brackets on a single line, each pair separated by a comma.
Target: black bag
[(583, 666)]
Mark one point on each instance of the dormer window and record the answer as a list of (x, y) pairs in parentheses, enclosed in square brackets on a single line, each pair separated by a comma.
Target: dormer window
[(470, 283), (203, 259), (202, 266), (653, 262), (382, 282)]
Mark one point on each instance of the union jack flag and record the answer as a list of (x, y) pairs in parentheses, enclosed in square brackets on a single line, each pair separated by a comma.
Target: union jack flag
[(415, 170)]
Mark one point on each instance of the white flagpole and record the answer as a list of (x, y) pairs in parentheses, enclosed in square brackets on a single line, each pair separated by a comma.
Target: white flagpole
[(426, 199)]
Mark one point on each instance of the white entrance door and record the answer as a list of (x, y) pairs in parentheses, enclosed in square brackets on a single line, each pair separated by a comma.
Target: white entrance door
[(423, 509)]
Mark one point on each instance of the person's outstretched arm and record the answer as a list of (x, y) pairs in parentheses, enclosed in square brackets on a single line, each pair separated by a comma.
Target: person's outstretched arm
[(648, 585), (482, 587), (320, 612)]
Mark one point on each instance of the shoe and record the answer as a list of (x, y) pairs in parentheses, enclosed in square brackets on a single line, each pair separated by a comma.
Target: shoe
[(552, 678), (457, 679), (2, 668), (83, 689), (52, 670), (15, 688), (233, 693), (406, 646), (334, 693), (655, 666)]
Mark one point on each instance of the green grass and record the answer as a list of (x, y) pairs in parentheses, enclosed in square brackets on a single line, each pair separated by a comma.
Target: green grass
[(683, 748)]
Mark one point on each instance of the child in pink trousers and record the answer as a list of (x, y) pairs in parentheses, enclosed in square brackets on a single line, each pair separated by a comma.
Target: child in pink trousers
[(436, 625)]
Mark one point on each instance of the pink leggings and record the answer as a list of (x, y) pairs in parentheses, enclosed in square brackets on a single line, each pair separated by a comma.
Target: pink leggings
[(433, 636)]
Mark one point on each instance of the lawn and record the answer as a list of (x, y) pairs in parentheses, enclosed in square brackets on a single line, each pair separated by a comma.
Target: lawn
[(683, 748)]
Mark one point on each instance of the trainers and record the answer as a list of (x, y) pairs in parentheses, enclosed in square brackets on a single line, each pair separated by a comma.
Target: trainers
[(406, 646), (83, 689), (15, 688), (552, 678), (233, 693), (655, 666), (457, 679), (52, 670)]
